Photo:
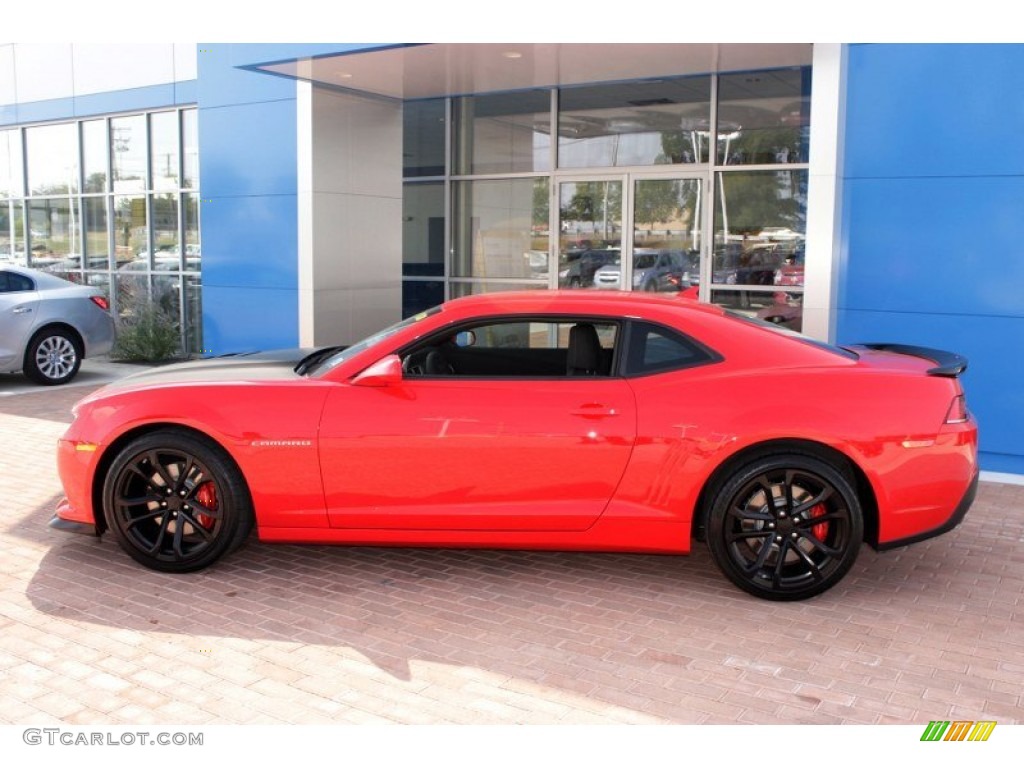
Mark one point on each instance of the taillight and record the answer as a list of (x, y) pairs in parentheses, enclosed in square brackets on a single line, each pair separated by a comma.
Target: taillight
[(957, 413), (101, 302)]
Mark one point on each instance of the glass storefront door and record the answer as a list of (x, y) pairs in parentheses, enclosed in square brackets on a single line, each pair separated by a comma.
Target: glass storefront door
[(657, 249)]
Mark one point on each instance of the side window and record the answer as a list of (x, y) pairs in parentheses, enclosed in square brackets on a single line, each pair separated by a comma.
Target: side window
[(654, 348), (534, 348), (11, 282)]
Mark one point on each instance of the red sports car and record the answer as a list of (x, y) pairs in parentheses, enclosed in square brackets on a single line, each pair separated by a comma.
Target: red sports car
[(547, 420)]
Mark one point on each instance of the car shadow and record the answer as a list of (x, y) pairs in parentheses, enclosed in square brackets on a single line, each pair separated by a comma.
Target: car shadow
[(623, 629)]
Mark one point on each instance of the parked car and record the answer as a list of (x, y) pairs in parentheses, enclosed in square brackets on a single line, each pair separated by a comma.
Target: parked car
[(569, 420), (791, 271), (653, 270), (579, 273), (48, 325)]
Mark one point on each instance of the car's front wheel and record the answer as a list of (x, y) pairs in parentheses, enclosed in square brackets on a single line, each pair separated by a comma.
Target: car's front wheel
[(785, 527), (53, 356), (176, 501)]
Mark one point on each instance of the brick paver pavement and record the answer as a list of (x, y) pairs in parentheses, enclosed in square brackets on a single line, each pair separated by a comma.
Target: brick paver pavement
[(288, 634)]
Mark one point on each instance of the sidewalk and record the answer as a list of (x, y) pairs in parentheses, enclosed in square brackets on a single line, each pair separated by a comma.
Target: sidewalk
[(289, 634)]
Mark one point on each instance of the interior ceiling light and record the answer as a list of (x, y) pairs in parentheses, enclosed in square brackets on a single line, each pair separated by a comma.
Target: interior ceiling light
[(343, 75), (512, 55)]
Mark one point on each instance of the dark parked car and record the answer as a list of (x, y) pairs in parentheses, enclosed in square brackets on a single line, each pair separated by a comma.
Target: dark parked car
[(579, 273)]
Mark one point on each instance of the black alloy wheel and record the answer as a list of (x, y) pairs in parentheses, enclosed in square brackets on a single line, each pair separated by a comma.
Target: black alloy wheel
[(786, 527), (176, 502)]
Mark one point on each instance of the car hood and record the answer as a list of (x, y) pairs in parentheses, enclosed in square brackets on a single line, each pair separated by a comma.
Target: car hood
[(246, 366)]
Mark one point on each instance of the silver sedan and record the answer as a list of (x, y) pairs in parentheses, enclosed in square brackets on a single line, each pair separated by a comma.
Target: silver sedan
[(48, 325)]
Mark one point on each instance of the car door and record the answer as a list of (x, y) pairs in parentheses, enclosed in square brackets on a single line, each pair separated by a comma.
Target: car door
[(503, 440), (19, 303)]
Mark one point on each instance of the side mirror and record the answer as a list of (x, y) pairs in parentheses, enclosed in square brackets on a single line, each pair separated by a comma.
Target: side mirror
[(465, 339), (385, 372)]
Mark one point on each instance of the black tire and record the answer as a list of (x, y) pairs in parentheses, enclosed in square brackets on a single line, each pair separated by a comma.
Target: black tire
[(785, 527), (167, 477), (53, 356)]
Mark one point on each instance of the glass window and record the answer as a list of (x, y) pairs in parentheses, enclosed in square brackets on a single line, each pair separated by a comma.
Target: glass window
[(423, 138), (764, 117), (11, 179), (97, 242), (477, 287), (163, 150), (52, 152), (95, 155), (663, 122), (54, 233), (194, 315), (423, 224), (164, 212), (653, 349), (18, 253), (760, 223), (780, 308), (190, 148), (419, 295), (6, 246), (128, 140), (12, 283), (589, 230), (132, 293), (131, 235), (501, 224), (190, 213), (510, 348), (503, 133)]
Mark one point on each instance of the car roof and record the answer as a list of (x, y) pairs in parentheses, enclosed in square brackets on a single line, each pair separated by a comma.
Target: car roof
[(611, 302)]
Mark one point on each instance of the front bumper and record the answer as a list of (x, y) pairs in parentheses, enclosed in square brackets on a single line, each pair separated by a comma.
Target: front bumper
[(59, 523)]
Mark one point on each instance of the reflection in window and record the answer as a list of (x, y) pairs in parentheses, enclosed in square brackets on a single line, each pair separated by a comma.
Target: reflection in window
[(94, 155), (476, 287), (589, 230), (164, 212), (54, 233), (52, 152), (128, 140), (420, 295), (190, 148), (423, 229), (760, 224), (94, 221), (782, 308), (190, 215), (764, 117), (650, 123), (193, 299), (131, 236), (501, 225), (11, 179), (423, 138), (163, 142), (503, 133)]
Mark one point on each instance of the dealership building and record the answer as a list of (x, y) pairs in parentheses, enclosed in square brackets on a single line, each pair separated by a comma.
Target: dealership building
[(281, 195)]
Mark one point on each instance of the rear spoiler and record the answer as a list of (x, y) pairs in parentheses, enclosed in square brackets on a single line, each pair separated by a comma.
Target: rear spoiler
[(947, 363)]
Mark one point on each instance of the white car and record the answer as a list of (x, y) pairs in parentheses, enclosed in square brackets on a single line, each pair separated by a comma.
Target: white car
[(48, 325)]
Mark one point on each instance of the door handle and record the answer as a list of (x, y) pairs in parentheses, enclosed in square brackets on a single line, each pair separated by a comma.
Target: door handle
[(595, 411), (21, 310)]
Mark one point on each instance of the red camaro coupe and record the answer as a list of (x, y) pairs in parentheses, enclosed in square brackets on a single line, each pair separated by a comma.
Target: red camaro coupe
[(544, 420)]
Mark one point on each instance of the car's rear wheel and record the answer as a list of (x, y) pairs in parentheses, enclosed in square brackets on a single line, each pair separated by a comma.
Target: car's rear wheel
[(176, 502), (53, 356), (786, 527)]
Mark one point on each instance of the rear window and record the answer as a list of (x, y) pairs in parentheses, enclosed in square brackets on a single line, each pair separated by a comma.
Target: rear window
[(654, 348), (792, 334)]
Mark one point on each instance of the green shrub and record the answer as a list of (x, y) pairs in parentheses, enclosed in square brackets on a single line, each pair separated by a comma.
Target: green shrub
[(147, 335)]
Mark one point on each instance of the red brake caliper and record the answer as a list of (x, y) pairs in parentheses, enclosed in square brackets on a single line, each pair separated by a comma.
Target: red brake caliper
[(819, 531), (206, 495)]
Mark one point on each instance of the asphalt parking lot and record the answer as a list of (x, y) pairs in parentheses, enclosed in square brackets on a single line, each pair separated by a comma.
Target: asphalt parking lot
[(288, 634)]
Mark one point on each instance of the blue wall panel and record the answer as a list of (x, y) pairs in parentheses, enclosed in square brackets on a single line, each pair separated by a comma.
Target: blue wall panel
[(251, 242), (926, 110), (248, 319), (248, 149), (249, 183), (933, 209)]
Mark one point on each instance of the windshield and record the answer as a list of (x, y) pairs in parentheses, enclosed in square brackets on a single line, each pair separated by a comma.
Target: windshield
[(321, 367)]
